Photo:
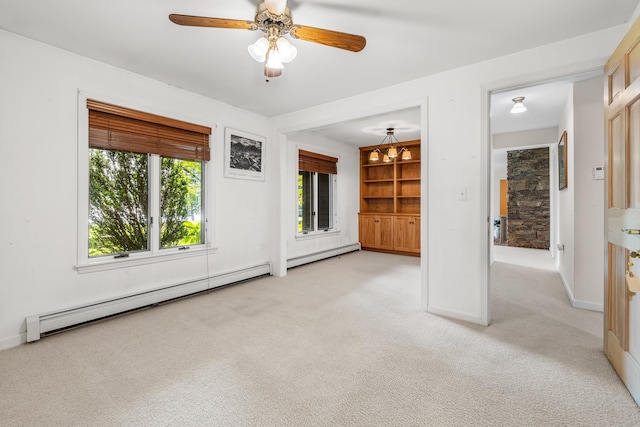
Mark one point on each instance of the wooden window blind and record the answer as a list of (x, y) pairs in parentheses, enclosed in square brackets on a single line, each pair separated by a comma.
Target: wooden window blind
[(314, 162), (118, 128)]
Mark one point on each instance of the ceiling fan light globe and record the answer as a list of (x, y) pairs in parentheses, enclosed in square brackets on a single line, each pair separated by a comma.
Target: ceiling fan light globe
[(272, 72), (258, 50), (286, 50), (273, 60), (273, 65), (276, 7)]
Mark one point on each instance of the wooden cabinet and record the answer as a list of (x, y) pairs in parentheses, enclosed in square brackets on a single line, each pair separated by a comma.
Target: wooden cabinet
[(376, 231), (390, 194)]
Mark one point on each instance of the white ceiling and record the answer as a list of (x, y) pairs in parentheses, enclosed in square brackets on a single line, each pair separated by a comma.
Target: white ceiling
[(405, 40)]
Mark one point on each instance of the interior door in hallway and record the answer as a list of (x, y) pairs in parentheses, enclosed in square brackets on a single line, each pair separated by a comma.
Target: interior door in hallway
[(622, 121)]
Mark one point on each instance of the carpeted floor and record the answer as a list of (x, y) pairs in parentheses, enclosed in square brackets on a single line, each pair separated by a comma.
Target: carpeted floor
[(334, 343)]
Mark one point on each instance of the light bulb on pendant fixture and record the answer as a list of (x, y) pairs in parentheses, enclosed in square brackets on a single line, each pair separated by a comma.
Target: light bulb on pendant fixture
[(518, 106)]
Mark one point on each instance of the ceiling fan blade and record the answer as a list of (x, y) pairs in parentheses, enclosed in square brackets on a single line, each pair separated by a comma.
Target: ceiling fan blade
[(345, 41), (203, 21)]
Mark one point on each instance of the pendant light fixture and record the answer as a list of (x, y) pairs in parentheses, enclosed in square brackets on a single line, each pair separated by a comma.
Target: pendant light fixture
[(392, 149), (518, 106)]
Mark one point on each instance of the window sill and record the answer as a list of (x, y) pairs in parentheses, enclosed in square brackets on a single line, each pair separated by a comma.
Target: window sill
[(316, 234), (115, 264)]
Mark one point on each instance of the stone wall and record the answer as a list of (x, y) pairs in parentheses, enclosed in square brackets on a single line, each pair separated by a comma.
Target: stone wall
[(529, 213)]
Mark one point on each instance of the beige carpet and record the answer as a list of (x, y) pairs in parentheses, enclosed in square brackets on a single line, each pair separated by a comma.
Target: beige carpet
[(338, 342)]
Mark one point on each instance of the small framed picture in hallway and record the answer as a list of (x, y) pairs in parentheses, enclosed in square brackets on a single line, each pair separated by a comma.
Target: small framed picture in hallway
[(562, 162)]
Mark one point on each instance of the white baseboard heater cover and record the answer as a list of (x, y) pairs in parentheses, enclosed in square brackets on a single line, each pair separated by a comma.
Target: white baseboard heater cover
[(317, 256), (42, 323)]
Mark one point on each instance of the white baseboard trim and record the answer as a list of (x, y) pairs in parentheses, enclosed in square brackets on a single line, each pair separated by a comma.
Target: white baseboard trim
[(317, 256), (455, 315), (46, 322), (587, 305), (13, 341), (576, 303)]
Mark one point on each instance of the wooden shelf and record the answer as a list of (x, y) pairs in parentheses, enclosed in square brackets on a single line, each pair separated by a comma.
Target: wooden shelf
[(390, 202)]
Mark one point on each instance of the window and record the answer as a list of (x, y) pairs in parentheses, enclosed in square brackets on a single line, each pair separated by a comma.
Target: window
[(146, 177), (316, 180)]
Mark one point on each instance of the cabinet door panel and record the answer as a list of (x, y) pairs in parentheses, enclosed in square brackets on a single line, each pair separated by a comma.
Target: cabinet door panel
[(368, 231), (385, 232), (407, 237)]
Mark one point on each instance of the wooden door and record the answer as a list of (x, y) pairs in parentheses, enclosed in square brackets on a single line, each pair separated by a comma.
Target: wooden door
[(622, 121)]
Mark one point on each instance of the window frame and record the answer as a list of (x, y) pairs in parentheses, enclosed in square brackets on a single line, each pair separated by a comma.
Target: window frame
[(86, 264), (333, 199)]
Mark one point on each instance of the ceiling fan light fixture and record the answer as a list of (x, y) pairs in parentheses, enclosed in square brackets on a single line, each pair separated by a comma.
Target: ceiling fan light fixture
[(374, 156), (518, 106), (258, 50), (406, 154), (286, 50), (273, 18)]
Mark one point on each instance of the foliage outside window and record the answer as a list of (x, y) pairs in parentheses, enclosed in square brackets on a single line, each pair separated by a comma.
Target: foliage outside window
[(119, 202)]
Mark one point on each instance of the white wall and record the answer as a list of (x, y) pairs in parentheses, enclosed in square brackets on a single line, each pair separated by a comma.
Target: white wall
[(581, 205), (38, 183), (347, 203), (589, 202), (565, 207), (456, 233)]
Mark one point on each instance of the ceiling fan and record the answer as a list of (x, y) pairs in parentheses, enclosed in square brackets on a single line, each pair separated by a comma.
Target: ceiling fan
[(273, 18)]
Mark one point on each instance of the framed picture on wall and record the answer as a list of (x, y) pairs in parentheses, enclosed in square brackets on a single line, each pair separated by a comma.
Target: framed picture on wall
[(244, 155), (562, 162)]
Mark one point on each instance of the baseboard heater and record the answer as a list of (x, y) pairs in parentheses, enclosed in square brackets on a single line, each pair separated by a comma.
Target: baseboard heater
[(317, 256), (40, 324)]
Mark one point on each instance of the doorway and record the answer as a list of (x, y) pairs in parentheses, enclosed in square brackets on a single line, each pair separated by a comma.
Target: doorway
[(576, 213)]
